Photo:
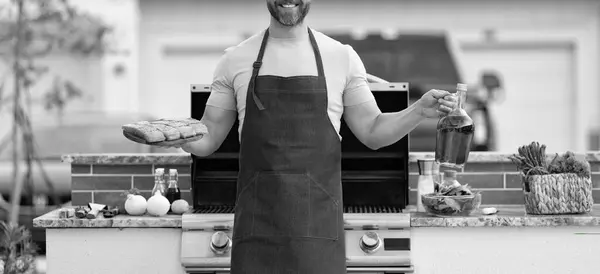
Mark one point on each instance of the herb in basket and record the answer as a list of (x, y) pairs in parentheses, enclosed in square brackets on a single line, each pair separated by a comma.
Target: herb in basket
[(562, 185), (569, 163), (532, 160)]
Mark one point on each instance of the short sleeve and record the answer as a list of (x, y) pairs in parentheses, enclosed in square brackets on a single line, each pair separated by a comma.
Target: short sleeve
[(222, 93), (357, 89)]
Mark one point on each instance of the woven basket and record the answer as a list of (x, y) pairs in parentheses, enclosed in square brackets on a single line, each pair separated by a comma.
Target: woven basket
[(564, 193)]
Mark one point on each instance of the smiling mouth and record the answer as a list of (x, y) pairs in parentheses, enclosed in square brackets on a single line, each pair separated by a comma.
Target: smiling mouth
[(288, 6)]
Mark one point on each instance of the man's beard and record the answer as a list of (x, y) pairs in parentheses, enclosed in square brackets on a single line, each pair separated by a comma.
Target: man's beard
[(291, 18)]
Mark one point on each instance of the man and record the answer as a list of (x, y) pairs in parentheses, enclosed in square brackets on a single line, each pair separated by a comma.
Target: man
[(289, 86)]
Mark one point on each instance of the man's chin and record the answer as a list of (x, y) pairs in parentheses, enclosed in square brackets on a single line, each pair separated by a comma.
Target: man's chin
[(288, 22)]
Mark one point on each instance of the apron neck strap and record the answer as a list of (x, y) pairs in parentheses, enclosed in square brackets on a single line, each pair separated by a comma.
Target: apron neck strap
[(258, 64), (313, 42)]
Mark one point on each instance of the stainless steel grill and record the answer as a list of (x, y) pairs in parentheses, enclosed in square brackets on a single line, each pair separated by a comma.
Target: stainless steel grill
[(375, 191)]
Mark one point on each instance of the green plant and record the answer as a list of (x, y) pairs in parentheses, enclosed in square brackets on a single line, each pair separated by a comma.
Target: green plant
[(532, 160), (17, 251), (569, 163), (34, 29)]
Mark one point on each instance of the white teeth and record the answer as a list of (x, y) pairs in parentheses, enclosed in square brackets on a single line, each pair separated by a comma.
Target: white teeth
[(288, 6)]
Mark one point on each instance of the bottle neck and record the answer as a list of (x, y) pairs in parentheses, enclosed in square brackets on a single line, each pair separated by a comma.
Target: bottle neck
[(173, 184), (460, 100), (158, 179)]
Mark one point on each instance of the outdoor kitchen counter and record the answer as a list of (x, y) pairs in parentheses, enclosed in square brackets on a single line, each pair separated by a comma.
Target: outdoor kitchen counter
[(51, 220), (507, 216), (509, 242)]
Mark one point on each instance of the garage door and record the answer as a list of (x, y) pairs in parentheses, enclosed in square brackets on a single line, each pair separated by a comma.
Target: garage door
[(539, 85)]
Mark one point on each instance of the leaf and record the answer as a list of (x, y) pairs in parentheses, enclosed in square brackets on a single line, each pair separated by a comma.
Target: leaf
[(453, 204), (72, 90), (133, 191)]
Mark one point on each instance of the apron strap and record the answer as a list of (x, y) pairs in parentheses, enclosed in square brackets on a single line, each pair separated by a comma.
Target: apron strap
[(258, 64), (255, 68), (315, 47)]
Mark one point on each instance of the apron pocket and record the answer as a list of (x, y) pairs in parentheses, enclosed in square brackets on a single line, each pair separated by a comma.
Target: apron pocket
[(291, 204)]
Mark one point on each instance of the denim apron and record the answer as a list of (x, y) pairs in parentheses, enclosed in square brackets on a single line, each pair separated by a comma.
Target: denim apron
[(288, 216)]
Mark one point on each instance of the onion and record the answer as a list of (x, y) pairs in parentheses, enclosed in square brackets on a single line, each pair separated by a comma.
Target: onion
[(180, 206), (135, 204), (158, 205)]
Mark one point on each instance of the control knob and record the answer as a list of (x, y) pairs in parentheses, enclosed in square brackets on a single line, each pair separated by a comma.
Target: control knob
[(370, 242), (220, 242)]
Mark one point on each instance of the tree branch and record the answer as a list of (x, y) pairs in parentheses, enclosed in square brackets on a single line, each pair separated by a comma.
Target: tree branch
[(5, 142), (18, 187)]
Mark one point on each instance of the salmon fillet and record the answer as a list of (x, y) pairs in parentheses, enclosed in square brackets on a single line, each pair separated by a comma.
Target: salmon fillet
[(166, 129), (144, 131)]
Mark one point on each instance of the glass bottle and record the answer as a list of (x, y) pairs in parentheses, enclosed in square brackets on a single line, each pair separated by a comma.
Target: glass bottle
[(454, 134), (450, 179), (159, 185), (173, 192)]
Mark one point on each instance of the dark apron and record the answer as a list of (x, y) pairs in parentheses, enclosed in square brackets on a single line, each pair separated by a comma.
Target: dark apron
[(288, 216)]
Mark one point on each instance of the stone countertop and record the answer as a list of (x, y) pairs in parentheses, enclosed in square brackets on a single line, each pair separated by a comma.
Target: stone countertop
[(184, 158), (51, 220), (507, 216)]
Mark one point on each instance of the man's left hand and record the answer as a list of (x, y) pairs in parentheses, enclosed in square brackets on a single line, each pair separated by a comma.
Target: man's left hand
[(436, 103)]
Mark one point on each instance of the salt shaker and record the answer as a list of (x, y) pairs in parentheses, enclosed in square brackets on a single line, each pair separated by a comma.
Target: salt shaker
[(428, 175)]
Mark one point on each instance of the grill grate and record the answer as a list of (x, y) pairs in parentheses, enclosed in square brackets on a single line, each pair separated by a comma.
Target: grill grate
[(214, 209), (372, 209)]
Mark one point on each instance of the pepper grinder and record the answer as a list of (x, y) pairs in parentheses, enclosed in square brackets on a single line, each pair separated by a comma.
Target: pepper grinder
[(429, 172)]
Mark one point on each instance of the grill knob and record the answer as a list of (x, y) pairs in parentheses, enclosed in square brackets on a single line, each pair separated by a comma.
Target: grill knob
[(220, 242), (370, 242)]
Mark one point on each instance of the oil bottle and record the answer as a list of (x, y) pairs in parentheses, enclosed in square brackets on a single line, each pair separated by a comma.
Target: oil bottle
[(454, 134), (159, 184), (173, 191)]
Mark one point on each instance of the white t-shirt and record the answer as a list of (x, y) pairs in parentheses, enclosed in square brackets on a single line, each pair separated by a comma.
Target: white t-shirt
[(344, 71)]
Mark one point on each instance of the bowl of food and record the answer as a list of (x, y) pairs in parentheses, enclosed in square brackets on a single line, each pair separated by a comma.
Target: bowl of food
[(448, 201)]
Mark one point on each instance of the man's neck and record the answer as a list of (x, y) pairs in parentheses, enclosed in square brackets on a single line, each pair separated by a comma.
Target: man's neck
[(277, 30)]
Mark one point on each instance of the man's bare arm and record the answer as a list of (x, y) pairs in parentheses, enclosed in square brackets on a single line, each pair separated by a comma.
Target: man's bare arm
[(376, 129), (218, 122)]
